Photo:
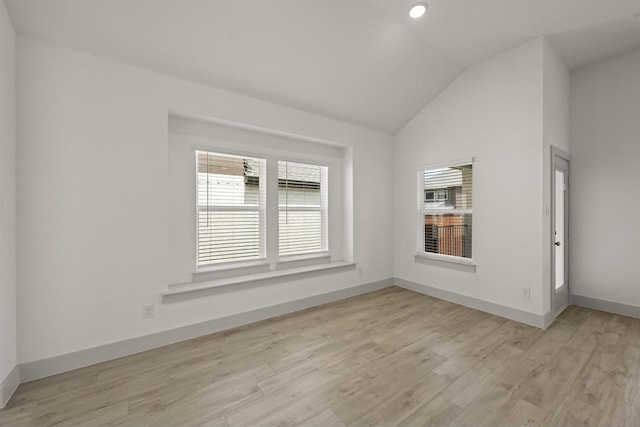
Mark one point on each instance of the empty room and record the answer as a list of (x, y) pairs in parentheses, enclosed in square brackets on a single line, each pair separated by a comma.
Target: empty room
[(319, 213)]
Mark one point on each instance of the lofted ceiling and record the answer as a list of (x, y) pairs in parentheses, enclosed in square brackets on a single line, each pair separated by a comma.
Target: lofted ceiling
[(361, 61)]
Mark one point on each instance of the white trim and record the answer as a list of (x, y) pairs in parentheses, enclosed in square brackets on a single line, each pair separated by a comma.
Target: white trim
[(303, 257), (537, 320), (230, 265), (9, 386), (556, 152), (549, 318), (194, 287), (30, 371), (448, 164), (471, 268), (446, 258), (608, 306), (227, 152), (298, 159)]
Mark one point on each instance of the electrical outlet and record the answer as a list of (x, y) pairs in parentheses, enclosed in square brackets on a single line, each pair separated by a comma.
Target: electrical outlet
[(148, 311), (526, 293)]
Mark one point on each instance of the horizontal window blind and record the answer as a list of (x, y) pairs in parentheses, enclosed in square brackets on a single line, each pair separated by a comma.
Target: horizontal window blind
[(302, 205), (230, 208), (446, 211)]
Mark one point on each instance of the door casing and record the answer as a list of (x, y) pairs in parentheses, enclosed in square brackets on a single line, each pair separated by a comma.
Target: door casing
[(559, 156)]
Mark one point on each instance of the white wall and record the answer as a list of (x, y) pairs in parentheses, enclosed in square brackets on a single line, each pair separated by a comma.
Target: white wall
[(7, 196), (556, 99), (93, 195), (605, 149), (555, 114), (492, 112)]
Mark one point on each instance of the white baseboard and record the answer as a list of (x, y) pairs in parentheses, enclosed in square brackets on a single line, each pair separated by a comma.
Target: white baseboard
[(608, 306), (9, 386), (537, 320), (548, 319), (30, 371)]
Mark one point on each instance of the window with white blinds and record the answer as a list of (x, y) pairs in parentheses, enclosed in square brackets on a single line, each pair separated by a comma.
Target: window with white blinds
[(230, 208), (445, 210), (302, 206)]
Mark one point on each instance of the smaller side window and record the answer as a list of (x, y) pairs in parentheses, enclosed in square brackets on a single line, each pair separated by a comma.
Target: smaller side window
[(446, 212)]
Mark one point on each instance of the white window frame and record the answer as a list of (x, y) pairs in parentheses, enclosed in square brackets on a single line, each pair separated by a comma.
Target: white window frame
[(323, 209), (422, 211), (260, 208)]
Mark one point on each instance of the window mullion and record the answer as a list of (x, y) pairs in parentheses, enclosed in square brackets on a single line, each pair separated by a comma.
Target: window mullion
[(272, 213)]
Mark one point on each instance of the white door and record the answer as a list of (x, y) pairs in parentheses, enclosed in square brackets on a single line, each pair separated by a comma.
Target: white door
[(560, 234)]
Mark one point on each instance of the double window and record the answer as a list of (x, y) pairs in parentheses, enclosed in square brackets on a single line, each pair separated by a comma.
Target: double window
[(445, 211), (232, 219)]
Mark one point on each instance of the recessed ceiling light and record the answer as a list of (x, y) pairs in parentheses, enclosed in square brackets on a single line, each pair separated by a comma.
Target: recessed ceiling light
[(417, 10)]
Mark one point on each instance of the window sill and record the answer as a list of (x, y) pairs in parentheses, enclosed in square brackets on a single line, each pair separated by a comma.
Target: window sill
[(313, 256), (186, 288), (231, 266), (446, 261), (287, 263)]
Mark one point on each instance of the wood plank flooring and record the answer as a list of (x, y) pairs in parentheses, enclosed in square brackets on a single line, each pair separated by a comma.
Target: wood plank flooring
[(387, 358)]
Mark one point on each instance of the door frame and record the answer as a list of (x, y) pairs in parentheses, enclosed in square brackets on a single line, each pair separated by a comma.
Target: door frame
[(556, 152)]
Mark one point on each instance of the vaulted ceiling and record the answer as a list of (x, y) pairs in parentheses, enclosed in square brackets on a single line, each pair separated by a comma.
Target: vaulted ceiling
[(361, 61)]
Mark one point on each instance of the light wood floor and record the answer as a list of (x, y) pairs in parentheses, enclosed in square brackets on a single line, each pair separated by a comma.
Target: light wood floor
[(391, 357)]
